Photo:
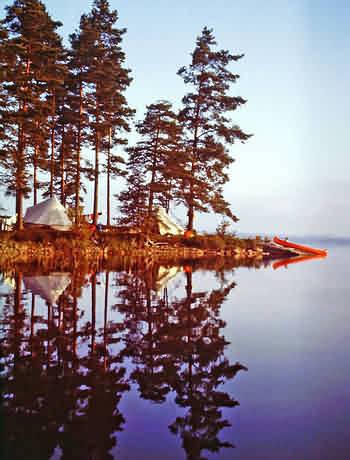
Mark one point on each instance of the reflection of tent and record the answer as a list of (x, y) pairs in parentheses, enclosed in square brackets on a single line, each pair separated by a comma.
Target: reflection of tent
[(164, 276), (8, 281), (166, 225), (49, 212), (49, 287)]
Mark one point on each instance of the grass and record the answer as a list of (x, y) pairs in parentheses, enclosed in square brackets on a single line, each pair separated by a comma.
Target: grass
[(35, 243), (212, 241)]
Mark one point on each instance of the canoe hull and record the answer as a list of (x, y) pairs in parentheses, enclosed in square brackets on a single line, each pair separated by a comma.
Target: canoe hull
[(299, 247)]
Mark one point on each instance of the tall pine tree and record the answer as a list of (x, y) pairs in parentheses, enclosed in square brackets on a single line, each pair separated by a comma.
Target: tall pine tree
[(78, 100), (208, 128), (28, 56), (105, 80)]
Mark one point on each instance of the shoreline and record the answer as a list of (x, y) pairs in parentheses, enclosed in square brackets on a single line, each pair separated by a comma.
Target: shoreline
[(32, 247)]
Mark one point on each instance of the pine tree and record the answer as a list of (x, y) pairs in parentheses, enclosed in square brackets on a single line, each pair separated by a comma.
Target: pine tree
[(78, 99), (29, 52), (65, 164), (61, 183), (208, 130), (105, 80), (39, 150), (56, 71), (158, 153), (112, 167), (133, 200)]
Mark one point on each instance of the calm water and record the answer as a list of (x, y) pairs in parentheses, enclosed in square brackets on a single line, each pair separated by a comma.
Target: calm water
[(146, 360)]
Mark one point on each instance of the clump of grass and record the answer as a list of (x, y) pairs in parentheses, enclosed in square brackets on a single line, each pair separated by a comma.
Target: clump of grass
[(211, 241), (206, 242)]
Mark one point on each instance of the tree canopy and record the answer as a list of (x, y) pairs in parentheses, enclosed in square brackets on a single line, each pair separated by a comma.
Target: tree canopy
[(208, 130), (65, 120)]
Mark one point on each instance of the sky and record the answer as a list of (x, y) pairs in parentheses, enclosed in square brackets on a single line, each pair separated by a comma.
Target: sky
[(293, 176)]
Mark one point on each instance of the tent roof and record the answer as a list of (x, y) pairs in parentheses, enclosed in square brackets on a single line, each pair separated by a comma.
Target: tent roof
[(49, 212), (166, 225)]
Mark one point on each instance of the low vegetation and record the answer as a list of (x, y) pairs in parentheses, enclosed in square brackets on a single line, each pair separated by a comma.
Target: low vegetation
[(37, 243)]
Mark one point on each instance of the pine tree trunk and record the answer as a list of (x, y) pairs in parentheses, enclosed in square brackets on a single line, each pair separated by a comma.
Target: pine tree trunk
[(109, 178), (96, 175), (20, 166), (20, 179), (190, 215), (52, 163), (151, 194), (19, 209), (35, 175), (75, 320), (35, 172), (52, 159), (168, 196), (190, 212), (77, 179), (62, 171), (153, 178), (96, 178)]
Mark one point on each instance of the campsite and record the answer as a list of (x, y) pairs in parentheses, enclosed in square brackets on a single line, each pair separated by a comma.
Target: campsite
[(174, 230), (50, 232)]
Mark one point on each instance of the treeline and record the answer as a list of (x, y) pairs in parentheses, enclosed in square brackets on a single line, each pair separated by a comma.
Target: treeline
[(57, 102)]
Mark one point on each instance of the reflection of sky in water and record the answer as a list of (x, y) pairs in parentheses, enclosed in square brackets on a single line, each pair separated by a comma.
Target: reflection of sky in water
[(290, 328)]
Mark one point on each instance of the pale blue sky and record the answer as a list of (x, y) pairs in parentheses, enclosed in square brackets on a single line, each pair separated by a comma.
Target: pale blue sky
[(292, 177)]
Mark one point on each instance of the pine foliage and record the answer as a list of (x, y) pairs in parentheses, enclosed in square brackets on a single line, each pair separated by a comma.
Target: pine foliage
[(208, 130)]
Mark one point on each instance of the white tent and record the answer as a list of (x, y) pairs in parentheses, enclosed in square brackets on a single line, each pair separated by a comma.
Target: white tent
[(48, 287), (49, 212), (166, 225)]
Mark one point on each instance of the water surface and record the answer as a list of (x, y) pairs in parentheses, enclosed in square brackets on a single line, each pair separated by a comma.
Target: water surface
[(187, 361)]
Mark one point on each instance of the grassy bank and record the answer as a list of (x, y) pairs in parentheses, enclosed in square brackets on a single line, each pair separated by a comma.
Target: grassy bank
[(35, 244)]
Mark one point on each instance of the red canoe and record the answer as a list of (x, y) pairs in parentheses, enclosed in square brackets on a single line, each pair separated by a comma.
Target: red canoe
[(300, 247)]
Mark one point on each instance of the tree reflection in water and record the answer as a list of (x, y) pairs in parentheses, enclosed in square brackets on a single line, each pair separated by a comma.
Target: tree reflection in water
[(64, 375)]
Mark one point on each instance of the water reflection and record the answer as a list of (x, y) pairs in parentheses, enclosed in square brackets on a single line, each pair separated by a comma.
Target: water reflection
[(296, 260), (66, 367)]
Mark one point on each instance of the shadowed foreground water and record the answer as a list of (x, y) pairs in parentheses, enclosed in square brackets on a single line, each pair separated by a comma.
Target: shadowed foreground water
[(149, 360)]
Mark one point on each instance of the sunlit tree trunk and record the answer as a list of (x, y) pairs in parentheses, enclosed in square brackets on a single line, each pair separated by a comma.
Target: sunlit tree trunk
[(109, 177)]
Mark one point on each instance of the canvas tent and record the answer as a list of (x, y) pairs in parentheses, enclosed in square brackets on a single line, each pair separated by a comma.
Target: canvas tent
[(166, 225), (49, 212), (48, 287)]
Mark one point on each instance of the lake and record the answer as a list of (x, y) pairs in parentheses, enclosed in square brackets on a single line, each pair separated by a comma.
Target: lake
[(147, 359)]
